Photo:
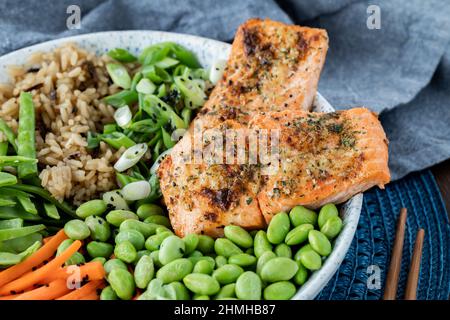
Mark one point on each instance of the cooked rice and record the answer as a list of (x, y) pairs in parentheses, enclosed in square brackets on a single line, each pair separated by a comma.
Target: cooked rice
[(67, 87)]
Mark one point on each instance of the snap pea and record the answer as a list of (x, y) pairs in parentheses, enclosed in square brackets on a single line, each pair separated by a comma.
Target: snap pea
[(279, 269), (261, 243), (99, 228), (175, 270), (144, 272), (121, 55), (282, 290), (278, 228), (52, 211), (171, 248), (149, 209), (228, 273), (227, 291), (7, 259), (298, 234), (226, 248), (91, 208), (266, 256), (147, 229), (242, 259), (108, 294), (99, 249), (204, 266), (332, 227), (283, 250), (9, 134), (122, 282), (326, 212), (6, 234), (154, 242), (77, 230), (190, 243), (248, 286), (300, 215), (202, 284), (16, 161), (319, 242), (221, 261), (116, 217), (125, 251), (20, 244), (309, 258), (135, 237), (176, 291), (26, 145), (11, 223), (7, 179), (99, 259), (112, 264), (157, 219), (239, 236), (205, 244), (302, 274), (26, 203), (119, 75)]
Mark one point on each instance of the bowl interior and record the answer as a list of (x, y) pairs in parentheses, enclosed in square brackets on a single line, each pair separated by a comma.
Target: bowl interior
[(207, 51)]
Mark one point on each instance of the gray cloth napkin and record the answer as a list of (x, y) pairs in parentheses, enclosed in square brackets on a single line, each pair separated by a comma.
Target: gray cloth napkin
[(401, 70)]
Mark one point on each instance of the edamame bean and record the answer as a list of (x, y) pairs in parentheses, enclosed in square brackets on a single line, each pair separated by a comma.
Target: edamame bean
[(99, 228), (155, 257), (221, 261), (194, 260), (204, 266), (195, 253), (283, 250), (134, 236), (205, 244), (140, 254), (300, 215), (99, 259), (239, 236), (161, 220), (76, 258), (99, 249), (112, 264), (171, 248), (283, 290), (248, 286), (122, 283), (226, 248), (154, 242), (228, 291), (261, 243), (91, 208), (250, 251), (326, 212), (161, 229), (176, 291), (175, 270), (63, 246), (319, 242), (279, 269), (116, 217), (144, 272), (278, 228), (266, 256), (149, 209), (242, 259), (155, 291), (76, 230), (309, 258), (200, 283), (147, 229), (302, 274), (125, 251), (332, 227), (108, 294), (190, 242), (298, 234), (228, 273), (200, 297)]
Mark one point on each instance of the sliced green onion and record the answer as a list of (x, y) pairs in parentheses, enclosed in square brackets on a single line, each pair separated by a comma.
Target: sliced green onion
[(216, 71), (123, 116), (158, 161), (115, 199), (130, 157), (119, 99), (119, 75), (121, 55), (194, 95), (166, 63), (136, 190), (145, 86)]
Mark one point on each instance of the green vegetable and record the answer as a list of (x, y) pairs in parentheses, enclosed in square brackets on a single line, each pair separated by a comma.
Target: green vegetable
[(108, 294), (175, 270), (121, 55), (147, 229), (278, 228), (125, 251), (326, 212), (155, 291), (221, 261), (122, 283), (51, 210), (26, 146), (116, 217), (157, 219), (248, 286), (190, 243), (239, 236), (279, 269), (119, 75), (302, 274), (283, 290), (242, 259), (332, 227), (298, 234), (319, 242), (16, 161), (283, 250), (7, 179), (226, 248), (171, 249), (20, 244), (99, 249), (204, 266), (91, 208), (205, 244), (77, 230), (227, 291), (113, 264), (135, 237), (154, 242), (99, 259), (26, 203), (9, 134), (149, 209), (176, 291), (266, 256), (144, 272), (261, 243), (300, 215), (7, 234), (202, 284), (122, 98), (99, 228), (227, 273), (309, 258)]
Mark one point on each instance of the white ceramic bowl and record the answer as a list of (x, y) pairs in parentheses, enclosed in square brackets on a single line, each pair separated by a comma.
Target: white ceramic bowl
[(207, 51)]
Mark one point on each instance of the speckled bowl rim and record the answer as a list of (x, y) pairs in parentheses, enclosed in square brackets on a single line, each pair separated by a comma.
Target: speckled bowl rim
[(207, 51)]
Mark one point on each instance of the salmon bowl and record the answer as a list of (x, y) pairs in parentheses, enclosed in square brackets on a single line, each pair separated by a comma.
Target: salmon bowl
[(207, 51)]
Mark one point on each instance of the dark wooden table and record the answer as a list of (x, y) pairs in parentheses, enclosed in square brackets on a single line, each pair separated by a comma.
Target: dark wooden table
[(442, 174)]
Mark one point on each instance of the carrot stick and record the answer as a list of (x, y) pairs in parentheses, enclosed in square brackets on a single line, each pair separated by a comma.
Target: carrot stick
[(44, 253), (83, 291), (45, 240), (40, 274), (10, 297), (91, 296), (50, 291), (89, 271)]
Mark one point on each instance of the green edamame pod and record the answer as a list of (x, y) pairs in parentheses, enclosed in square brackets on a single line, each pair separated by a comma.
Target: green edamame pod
[(279, 269), (332, 227), (261, 243), (144, 272), (149, 209), (122, 283), (302, 274), (319, 242), (91, 208), (108, 294), (282, 290), (248, 286), (228, 273), (205, 244), (112, 264), (99, 249), (116, 217), (202, 284), (242, 259), (190, 243), (175, 270), (134, 236), (309, 258), (283, 250), (266, 256), (298, 234), (227, 291), (300, 215), (239, 236), (171, 248), (125, 251), (99, 228), (157, 219), (226, 248), (204, 266), (326, 212), (278, 228), (77, 230), (176, 291)]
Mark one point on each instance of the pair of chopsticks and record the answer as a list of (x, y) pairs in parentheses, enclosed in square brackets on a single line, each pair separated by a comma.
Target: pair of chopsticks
[(390, 291)]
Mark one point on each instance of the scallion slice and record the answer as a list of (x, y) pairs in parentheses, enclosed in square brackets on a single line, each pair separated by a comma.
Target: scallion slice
[(136, 190), (123, 116), (130, 157)]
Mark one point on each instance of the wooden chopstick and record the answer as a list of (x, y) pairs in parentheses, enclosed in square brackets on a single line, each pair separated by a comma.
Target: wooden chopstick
[(390, 290), (414, 270)]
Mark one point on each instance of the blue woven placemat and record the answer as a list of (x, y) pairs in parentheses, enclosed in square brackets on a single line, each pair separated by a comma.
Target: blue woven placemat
[(374, 239)]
